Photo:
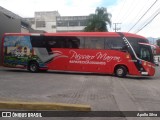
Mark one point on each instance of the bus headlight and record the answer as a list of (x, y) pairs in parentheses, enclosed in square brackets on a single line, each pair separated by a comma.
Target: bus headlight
[(144, 73)]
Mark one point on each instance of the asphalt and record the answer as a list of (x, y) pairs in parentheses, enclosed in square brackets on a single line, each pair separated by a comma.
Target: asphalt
[(100, 92)]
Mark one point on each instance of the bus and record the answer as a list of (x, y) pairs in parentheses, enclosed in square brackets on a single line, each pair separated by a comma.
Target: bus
[(116, 53)]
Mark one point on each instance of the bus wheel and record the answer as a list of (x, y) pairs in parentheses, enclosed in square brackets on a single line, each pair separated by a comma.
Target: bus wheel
[(33, 67), (121, 71)]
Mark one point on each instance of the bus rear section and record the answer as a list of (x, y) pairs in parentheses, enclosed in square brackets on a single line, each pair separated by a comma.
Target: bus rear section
[(106, 53), (19, 53)]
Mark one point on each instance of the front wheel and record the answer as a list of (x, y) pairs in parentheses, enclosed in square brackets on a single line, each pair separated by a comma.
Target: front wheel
[(121, 71), (33, 67)]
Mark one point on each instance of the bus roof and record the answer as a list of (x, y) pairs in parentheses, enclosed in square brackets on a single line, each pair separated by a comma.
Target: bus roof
[(98, 34)]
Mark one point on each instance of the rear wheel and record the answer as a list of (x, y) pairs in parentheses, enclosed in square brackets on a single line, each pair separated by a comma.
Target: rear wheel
[(121, 71), (33, 67)]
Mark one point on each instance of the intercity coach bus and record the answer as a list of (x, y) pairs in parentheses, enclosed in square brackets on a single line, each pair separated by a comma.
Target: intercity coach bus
[(88, 52)]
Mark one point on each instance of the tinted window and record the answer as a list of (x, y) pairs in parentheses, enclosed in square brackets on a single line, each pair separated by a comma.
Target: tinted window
[(81, 42), (55, 42), (94, 43), (134, 43), (73, 42), (114, 43), (37, 41), (145, 53), (64, 42)]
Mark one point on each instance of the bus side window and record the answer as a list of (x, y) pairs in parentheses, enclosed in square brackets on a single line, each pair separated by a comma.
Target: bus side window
[(99, 43), (55, 42), (82, 42), (68, 43), (51, 42), (38, 41), (108, 43), (76, 43), (94, 43), (61, 43), (124, 48), (72, 42), (115, 43), (87, 43)]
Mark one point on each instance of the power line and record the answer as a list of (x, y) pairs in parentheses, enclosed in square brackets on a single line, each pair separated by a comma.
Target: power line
[(128, 11), (148, 22), (140, 12), (134, 4), (143, 15), (121, 9)]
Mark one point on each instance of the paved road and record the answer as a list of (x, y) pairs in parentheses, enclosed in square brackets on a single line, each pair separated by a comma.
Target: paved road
[(102, 92)]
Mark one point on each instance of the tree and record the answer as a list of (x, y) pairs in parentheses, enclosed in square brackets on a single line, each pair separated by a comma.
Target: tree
[(98, 22)]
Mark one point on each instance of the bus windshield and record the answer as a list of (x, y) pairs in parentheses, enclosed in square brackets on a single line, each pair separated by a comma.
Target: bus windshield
[(143, 52)]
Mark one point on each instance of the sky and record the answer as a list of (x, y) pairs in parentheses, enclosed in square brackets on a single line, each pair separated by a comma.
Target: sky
[(132, 15)]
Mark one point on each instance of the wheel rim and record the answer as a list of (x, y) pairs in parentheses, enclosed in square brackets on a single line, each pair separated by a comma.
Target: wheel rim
[(33, 67), (120, 72)]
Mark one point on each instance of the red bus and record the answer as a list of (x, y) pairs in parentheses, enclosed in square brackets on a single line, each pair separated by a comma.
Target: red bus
[(91, 52)]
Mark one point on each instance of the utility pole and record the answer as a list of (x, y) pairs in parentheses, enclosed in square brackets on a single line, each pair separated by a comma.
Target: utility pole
[(116, 28)]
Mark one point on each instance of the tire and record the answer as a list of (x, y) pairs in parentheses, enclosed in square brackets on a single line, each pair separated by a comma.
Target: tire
[(33, 67), (120, 71)]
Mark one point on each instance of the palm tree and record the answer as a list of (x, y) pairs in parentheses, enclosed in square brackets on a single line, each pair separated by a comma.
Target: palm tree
[(98, 21)]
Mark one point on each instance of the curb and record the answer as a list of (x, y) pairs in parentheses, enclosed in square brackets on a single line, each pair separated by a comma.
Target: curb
[(43, 106)]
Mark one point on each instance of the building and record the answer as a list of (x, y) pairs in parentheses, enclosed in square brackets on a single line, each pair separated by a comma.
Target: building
[(71, 23), (45, 21), (51, 21), (10, 22)]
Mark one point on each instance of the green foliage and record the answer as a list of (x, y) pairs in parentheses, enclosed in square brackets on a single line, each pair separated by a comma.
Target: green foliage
[(98, 22)]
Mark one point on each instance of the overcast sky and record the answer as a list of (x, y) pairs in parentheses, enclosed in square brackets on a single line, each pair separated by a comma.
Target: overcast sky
[(126, 12)]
